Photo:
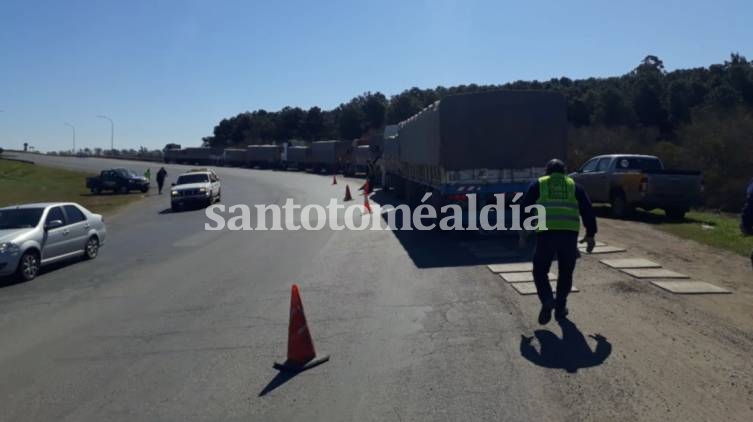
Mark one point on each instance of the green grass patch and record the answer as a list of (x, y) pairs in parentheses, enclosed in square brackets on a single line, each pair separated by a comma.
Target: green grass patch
[(716, 229), (24, 183)]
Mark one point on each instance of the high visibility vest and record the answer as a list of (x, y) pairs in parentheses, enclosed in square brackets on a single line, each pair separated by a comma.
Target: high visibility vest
[(557, 195)]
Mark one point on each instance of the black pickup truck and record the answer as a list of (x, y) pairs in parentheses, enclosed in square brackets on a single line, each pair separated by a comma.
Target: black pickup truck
[(117, 180)]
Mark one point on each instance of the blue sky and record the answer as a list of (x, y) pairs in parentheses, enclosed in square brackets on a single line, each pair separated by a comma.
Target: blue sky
[(168, 71)]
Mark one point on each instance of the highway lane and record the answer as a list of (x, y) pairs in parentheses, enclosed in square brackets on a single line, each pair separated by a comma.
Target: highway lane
[(172, 322)]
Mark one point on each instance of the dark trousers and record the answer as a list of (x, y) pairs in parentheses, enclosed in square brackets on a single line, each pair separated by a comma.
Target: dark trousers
[(160, 183), (563, 245)]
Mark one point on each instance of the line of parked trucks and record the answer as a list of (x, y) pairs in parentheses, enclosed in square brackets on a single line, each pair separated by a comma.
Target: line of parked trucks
[(485, 144)]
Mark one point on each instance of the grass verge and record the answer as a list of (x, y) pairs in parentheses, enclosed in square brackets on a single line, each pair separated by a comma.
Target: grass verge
[(25, 183), (714, 229)]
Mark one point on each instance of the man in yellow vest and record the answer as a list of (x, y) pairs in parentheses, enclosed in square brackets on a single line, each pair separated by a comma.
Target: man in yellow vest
[(565, 203)]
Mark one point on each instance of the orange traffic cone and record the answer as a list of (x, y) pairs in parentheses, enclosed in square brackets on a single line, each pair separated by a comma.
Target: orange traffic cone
[(301, 353), (347, 194), (334, 180), (366, 203)]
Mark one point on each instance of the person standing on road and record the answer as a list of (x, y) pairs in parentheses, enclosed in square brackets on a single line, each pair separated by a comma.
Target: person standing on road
[(565, 203), (161, 174), (148, 175), (746, 216)]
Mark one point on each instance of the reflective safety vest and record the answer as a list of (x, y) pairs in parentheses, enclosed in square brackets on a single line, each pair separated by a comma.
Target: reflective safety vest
[(557, 195)]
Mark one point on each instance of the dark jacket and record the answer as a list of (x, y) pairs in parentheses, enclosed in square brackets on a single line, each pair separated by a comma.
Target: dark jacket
[(746, 223), (161, 175), (584, 205)]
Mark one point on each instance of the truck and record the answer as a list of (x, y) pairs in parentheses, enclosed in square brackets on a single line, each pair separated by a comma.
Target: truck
[(117, 180), (359, 161), (482, 144), (264, 156), (330, 156), (629, 181), (234, 157), (296, 157), (193, 155)]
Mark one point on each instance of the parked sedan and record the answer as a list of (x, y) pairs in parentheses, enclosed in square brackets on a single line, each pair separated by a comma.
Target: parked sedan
[(34, 235)]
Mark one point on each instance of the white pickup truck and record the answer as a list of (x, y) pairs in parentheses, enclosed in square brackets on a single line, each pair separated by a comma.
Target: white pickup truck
[(628, 181)]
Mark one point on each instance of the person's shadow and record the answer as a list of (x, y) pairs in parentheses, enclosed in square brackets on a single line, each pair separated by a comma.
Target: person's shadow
[(571, 352)]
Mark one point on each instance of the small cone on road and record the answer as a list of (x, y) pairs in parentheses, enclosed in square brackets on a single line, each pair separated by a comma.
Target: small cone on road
[(347, 194), (334, 179), (301, 353), (366, 203)]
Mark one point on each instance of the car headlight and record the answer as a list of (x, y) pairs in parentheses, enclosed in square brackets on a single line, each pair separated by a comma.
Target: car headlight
[(202, 190), (9, 248), (174, 193)]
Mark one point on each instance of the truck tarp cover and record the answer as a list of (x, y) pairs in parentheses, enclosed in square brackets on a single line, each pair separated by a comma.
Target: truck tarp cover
[(299, 154), (494, 130), (330, 152), (263, 153)]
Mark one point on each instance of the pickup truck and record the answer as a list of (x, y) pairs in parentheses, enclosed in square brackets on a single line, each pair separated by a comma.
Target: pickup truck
[(629, 181), (117, 180)]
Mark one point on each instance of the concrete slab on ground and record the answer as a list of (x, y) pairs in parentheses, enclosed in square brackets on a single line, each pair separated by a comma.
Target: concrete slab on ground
[(530, 288), (517, 267), (602, 249), (690, 287), (653, 273), (522, 277), (630, 263)]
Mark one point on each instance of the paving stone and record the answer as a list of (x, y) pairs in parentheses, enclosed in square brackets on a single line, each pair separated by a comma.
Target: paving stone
[(653, 273), (522, 277), (690, 287), (630, 263), (516, 267), (530, 288), (602, 249)]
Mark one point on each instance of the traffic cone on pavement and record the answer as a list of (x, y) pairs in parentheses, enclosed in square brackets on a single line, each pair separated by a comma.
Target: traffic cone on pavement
[(366, 204), (347, 194), (334, 180), (301, 353)]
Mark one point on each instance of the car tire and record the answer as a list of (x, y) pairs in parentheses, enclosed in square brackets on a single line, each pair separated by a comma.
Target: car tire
[(123, 190), (91, 250), (28, 266), (95, 191), (144, 189)]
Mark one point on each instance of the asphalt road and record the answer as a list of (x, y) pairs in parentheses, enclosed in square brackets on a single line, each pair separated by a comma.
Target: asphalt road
[(172, 322)]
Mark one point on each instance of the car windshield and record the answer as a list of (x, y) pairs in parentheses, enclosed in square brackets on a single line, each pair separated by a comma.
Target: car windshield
[(192, 178), (20, 218), (127, 173), (638, 163)]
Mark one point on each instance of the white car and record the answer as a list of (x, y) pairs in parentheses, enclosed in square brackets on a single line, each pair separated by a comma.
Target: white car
[(195, 187)]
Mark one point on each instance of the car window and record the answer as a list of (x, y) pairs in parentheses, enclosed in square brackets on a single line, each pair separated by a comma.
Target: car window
[(192, 178), (56, 213), (73, 214), (638, 163), (21, 218), (603, 164), (590, 166)]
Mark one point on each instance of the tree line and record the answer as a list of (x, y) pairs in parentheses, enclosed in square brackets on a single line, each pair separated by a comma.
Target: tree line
[(699, 118)]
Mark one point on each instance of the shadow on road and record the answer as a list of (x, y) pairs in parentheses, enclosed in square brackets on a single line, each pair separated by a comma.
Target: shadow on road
[(642, 216), (281, 378), (13, 280), (571, 352), (436, 248)]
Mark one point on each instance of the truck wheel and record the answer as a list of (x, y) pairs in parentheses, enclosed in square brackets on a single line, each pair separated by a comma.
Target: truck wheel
[(144, 189), (123, 190), (620, 207), (96, 191), (675, 213)]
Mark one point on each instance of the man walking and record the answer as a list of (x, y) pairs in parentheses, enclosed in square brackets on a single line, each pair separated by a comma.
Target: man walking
[(161, 174), (565, 203), (746, 216)]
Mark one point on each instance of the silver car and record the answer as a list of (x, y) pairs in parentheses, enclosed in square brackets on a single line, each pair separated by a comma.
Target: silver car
[(34, 235)]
